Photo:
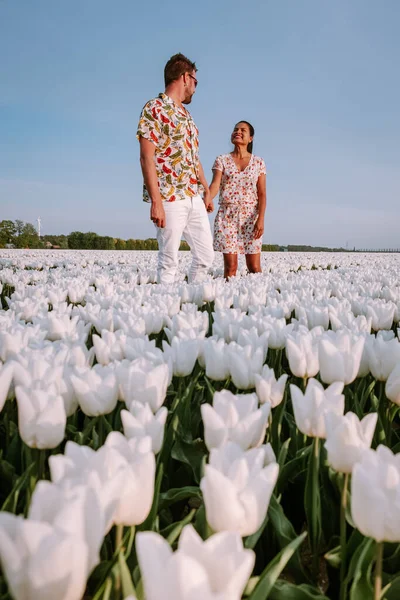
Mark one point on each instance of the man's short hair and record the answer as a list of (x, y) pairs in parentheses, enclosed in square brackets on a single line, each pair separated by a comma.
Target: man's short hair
[(176, 67)]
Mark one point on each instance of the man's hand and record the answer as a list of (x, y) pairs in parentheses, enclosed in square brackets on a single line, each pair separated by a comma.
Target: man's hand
[(258, 228), (157, 214), (209, 204)]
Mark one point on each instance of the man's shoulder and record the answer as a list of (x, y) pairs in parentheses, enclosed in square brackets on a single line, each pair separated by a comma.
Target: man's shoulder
[(153, 103)]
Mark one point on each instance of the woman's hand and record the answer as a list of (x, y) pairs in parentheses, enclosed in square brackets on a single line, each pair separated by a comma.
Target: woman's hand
[(258, 228)]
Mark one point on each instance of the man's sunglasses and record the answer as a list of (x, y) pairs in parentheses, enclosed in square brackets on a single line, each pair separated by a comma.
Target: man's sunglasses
[(194, 79)]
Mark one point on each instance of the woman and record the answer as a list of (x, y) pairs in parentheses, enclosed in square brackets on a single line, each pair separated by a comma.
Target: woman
[(240, 178)]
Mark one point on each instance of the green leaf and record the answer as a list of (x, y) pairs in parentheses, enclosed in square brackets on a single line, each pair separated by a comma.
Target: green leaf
[(275, 568), (293, 468), (312, 500), (10, 503), (333, 557), (285, 533), (190, 454), (392, 590), (283, 590), (358, 558), (178, 494), (126, 579), (362, 587), (283, 453), (172, 532)]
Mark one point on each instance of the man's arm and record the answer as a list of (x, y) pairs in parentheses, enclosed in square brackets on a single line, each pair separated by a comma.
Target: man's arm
[(216, 183), (147, 150), (207, 197)]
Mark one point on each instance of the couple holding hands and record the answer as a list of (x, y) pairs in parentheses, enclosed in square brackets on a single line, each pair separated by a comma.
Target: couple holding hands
[(173, 179)]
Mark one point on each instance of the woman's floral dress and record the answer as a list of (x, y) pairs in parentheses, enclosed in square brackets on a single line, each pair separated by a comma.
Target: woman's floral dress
[(238, 206)]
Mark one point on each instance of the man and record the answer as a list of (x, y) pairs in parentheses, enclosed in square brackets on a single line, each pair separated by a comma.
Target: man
[(173, 175)]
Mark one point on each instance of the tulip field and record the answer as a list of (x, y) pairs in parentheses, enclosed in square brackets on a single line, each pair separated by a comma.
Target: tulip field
[(220, 440)]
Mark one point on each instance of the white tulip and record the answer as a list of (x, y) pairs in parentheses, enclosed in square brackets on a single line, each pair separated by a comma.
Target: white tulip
[(302, 354), (76, 511), (6, 375), (375, 495), (392, 387), (237, 499), (96, 389), (382, 356), (41, 417), (41, 561), (143, 381), (340, 356), (215, 357), (269, 389), (215, 569), (381, 313), (139, 421), (108, 347), (183, 353), (348, 438), (244, 364), (135, 461), (311, 407), (234, 418)]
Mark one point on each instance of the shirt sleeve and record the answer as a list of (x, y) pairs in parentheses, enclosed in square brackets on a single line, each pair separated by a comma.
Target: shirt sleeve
[(149, 126), (218, 164), (263, 168)]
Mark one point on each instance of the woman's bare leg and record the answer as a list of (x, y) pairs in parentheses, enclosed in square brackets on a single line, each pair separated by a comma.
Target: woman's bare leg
[(230, 265), (253, 262)]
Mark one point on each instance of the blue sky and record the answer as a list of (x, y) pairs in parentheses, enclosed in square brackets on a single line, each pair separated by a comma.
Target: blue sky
[(318, 80)]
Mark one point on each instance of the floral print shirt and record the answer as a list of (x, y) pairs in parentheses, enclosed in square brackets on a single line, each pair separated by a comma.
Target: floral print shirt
[(176, 138), (239, 186)]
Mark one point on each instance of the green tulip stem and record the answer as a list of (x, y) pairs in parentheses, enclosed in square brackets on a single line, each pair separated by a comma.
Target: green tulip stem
[(40, 461), (343, 537), (107, 590), (378, 571), (119, 531), (269, 435), (315, 501)]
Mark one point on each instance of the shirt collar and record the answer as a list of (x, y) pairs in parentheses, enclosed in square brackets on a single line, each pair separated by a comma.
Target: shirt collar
[(165, 98)]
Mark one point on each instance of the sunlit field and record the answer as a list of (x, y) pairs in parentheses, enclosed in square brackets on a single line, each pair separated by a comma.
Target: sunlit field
[(210, 441)]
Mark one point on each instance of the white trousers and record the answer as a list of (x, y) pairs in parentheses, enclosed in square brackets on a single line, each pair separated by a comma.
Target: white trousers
[(187, 218)]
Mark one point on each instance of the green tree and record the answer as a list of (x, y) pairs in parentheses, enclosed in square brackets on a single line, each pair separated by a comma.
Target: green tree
[(19, 227), (131, 244), (76, 240), (7, 232), (28, 238), (89, 240), (120, 244), (184, 245), (104, 242)]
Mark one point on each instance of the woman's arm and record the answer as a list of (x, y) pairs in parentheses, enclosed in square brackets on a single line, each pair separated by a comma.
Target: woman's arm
[(262, 204), (215, 184)]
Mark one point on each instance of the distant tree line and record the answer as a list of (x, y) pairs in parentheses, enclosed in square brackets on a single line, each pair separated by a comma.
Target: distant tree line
[(18, 234)]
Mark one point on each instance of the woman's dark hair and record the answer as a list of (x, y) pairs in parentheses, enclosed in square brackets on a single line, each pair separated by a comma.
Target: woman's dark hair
[(251, 128)]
